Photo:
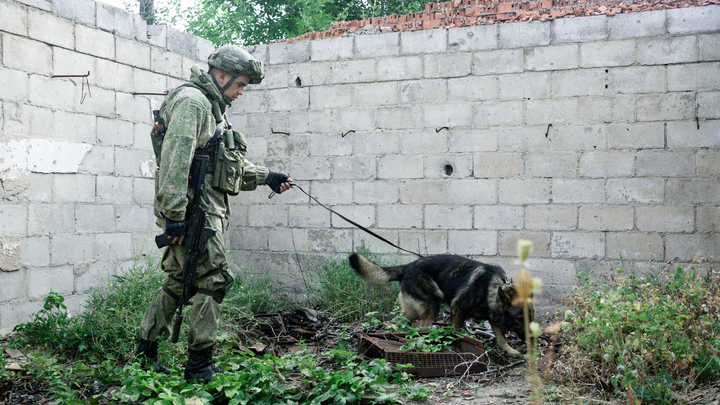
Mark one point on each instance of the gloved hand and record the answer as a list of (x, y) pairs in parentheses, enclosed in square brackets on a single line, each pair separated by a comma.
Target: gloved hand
[(275, 180), (175, 230)]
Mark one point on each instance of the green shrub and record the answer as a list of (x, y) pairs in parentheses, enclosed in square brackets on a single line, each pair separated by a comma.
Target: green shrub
[(646, 337)]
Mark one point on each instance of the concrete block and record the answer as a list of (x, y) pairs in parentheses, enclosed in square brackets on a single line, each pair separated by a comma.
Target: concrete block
[(140, 28), (665, 218), (287, 240), (473, 38), (472, 88), (473, 242), (448, 115), (578, 191), (149, 82), (400, 167), (39, 288), (451, 217), (685, 134), (364, 94), (133, 108), (50, 156), (423, 42), (35, 251), (666, 107), (472, 140), (635, 246), (638, 135), (523, 191), (692, 191), (164, 62), (554, 111), (311, 168), (497, 217), (708, 104), (276, 216), (143, 190), (26, 55), (133, 162), (399, 118), (553, 57), (14, 218), (350, 167), (635, 191), (355, 71), (288, 52), (623, 108), (204, 48), (497, 62), (134, 53), (524, 34), (356, 119), (68, 188), (40, 188), (503, 113), (93, 218), (582, 29), (50, 29), (114, 76), (340, 240), (72, 127), (374, 244), (551, 217), (376, 192), (10, 251), (552, 164), (69, 249), (99, 160), (709, 47), (361, 214), (689, 247), (638, 24), (707, 163), (603, 164), (498, 165), (507, 242), (114, 132), (136, 219), (472, 192), (638, 80), (449, 166), (447, 65), (14, 18), (377, 45), (67, 62), (707, 219), (100, 102), (333, 192), (113, 247), (523, 86), (301, 74), (14, 84), (423, 192), (690, 77), (180, 42), (82, 11), (667, 50), (14, 286), (583, 82), (18, 312), (157, 35), (115, 20), (427, 242), (665, 163), (579, 138), (111, 189), (400, 216), (94, 42), (605, 218), (393, 68), (287, 146), (595, 110), (693, 20), (607, 53), (425, 142), (330, 145), (331, 49), (570, 245)]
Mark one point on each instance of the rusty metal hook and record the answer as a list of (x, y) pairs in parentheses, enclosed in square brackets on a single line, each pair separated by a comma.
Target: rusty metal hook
[(83, 81)]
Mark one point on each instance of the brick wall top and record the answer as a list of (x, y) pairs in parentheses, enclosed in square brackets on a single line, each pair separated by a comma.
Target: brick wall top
[(463, 13)]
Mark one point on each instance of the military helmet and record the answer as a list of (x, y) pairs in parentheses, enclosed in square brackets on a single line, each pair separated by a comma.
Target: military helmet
[(233, 59)]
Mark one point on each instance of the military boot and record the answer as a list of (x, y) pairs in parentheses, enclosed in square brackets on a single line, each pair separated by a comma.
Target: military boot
[(147, 355), (200, 365)]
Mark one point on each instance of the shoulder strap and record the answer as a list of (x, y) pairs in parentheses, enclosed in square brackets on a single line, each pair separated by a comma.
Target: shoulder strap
[(215, 105)]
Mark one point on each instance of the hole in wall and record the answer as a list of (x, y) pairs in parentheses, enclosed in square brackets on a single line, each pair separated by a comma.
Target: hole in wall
[(298, 81), (448, 170)]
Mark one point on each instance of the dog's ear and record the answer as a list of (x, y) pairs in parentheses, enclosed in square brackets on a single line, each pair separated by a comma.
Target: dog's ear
[(504, 299)]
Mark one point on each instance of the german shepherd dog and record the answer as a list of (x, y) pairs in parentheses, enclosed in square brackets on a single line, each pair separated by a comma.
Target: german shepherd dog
[(470, 288)]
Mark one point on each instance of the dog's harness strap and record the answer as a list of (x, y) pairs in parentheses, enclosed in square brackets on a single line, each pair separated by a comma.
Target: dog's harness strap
[(353, 222)]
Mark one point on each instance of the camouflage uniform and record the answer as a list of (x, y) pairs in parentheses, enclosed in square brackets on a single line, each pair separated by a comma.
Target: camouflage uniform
[(190, 117)]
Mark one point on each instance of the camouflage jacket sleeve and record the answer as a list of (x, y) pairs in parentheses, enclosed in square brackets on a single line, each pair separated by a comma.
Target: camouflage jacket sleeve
[(253, 176), (187, 117)]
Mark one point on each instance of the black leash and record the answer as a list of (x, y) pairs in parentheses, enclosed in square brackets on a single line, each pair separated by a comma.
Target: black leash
[(348, 220)]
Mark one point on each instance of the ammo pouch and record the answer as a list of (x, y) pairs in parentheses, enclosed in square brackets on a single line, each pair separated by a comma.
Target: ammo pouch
[(229, 162)]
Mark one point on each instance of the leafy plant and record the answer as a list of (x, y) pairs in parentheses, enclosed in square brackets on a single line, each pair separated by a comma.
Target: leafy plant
[(435, 340)]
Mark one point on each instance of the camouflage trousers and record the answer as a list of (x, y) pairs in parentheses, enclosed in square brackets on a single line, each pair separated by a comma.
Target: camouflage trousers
[(213, 279)]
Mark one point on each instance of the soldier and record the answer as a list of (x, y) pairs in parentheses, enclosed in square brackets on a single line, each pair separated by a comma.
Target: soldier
[(189, 121)]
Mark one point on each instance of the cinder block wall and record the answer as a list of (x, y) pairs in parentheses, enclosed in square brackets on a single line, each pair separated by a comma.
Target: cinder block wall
[(76, 163), (598, 138)]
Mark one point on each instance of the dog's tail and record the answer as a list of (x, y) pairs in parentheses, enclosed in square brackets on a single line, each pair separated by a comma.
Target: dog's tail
[(373, 273)]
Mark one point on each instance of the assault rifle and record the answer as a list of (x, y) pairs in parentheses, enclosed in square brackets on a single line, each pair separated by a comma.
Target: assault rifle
[(196, 237)]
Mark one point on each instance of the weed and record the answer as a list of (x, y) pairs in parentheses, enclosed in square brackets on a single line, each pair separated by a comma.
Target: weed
[(435, 340)]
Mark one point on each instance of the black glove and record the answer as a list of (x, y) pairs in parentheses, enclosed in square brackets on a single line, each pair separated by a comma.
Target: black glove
[(174, 228), (275, 180)]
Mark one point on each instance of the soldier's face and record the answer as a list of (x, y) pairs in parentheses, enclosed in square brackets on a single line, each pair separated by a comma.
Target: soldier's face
[(237, 88)]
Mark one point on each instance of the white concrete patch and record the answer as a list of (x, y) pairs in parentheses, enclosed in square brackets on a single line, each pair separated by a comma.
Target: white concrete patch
[(50, 156)]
